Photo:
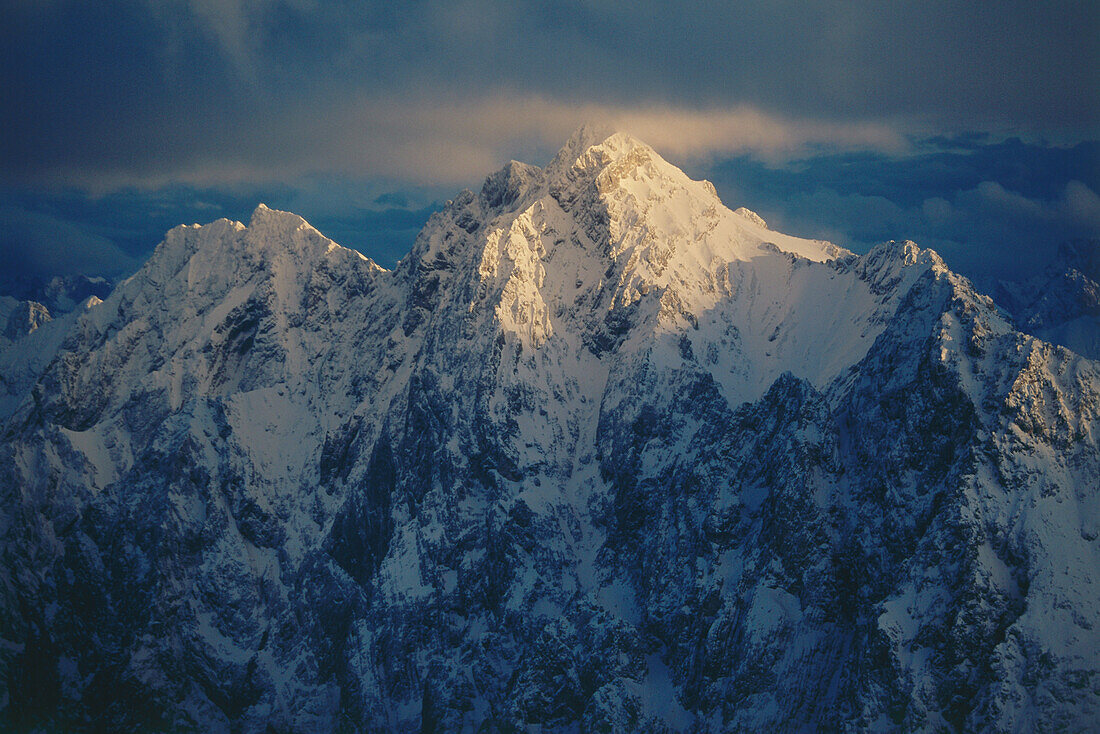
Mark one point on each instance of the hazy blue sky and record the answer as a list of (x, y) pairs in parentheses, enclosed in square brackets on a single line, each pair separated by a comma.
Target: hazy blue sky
[(969, 127)]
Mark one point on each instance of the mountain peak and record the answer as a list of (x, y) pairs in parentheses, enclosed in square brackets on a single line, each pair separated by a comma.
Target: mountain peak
[(587, 137), (265, 217)]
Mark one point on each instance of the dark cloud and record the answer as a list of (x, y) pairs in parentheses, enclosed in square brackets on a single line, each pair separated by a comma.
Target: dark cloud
[(934, 166), (152, 91)]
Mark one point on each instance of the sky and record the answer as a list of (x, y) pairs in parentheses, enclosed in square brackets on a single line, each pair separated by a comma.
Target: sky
[(972, 128)]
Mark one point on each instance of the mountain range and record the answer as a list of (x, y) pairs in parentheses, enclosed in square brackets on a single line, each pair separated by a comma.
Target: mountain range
[(599, 454)]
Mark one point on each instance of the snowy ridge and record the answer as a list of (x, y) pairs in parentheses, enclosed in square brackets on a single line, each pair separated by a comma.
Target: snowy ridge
[(599, 453)]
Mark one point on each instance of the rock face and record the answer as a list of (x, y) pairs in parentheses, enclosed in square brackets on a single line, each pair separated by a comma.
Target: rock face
[(599, 455)]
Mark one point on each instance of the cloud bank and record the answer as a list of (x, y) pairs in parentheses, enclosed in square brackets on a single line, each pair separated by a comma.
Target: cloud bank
[(141, 92), (453, 143)]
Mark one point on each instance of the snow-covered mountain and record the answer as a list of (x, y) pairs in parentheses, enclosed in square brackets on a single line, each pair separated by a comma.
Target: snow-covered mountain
[(599, 454), (27, 304), (1062, 304)]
